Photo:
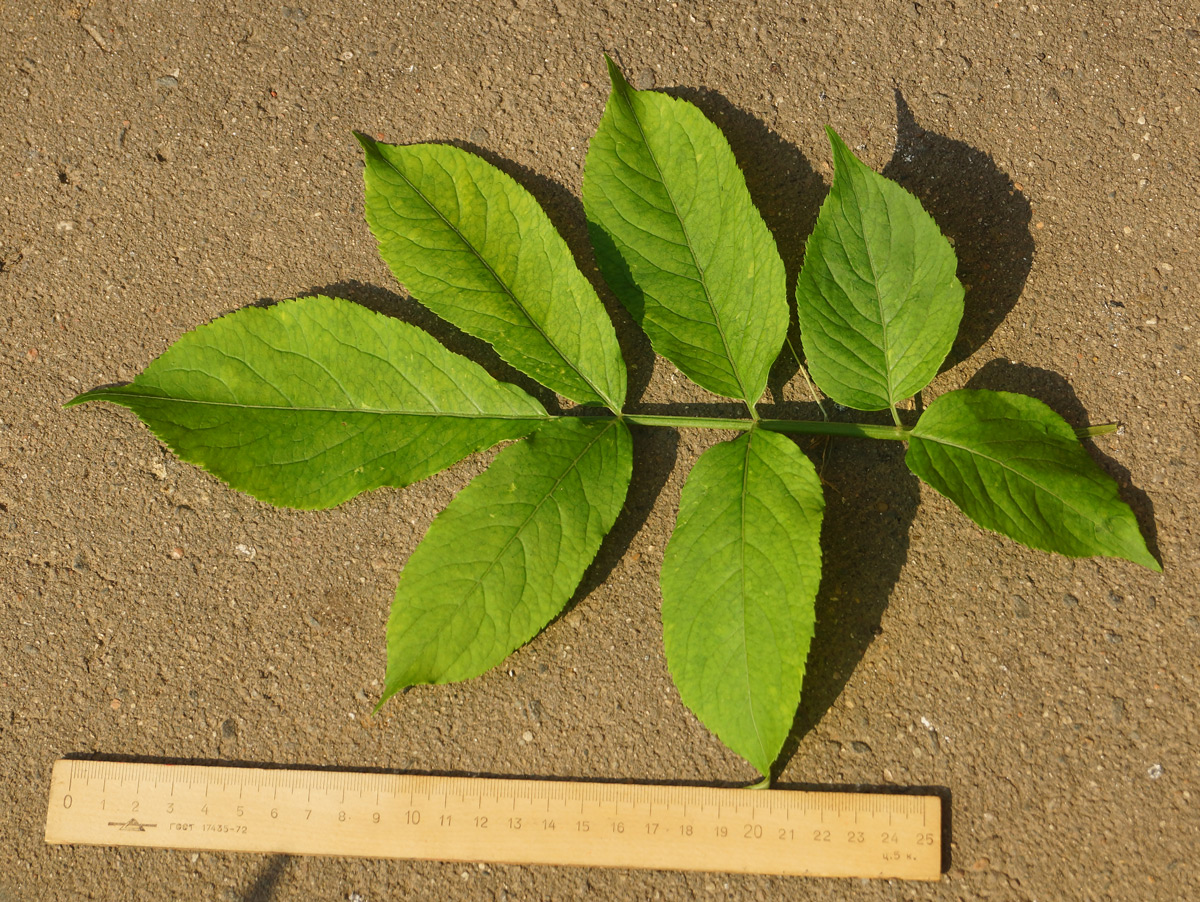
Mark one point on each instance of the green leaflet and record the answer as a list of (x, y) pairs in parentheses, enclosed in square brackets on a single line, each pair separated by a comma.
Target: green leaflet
[(739, 584), (309, 402), (680, 242), (878, 300), (1013, 465), (507, 553), (474, 247)]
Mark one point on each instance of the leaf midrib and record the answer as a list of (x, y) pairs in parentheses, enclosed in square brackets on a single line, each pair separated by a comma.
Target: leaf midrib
[(503, 285), (687, 238), (883, 325), (1065, 503), (742, 595), (381, 411)]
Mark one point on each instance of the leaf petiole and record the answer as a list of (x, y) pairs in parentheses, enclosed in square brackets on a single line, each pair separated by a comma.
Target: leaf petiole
[(1102, 429), (800, 427)]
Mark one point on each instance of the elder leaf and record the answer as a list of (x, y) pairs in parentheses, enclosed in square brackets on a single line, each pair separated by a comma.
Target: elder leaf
[(507, 553), (309, 402), (739, 587), (877, 298), (474, 247), (1015, 466), (680, 242)]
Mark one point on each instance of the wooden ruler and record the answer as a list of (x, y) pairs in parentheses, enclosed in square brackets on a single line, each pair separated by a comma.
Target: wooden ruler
[(314, 812)]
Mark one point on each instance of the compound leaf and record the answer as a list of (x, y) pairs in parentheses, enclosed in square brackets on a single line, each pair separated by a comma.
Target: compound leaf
[(878, 300), (507, 553), (309, 402), (739, 585), (680, 242), (474, 247), (1013, 465)]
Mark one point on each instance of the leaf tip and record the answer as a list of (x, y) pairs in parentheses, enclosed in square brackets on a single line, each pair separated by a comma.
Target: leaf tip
[(388, 691), (615, 75), (95, 394), (842, 154), (1145, 558), (367, 143)]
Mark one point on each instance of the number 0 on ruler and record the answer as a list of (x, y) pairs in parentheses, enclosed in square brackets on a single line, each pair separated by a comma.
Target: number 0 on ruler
[(308, 812)]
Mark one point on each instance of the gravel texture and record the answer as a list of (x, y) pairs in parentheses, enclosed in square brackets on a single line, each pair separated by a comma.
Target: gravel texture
[(163, 163)]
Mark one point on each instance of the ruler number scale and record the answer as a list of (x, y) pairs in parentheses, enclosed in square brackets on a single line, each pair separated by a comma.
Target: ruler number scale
[(307, 812)]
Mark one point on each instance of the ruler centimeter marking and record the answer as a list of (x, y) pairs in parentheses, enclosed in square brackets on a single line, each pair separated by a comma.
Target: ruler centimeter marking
[(312, 812)]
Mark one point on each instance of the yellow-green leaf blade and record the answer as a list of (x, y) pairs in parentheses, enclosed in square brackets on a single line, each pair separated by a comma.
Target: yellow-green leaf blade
[(507, 553), (475, 247), (1015, 466), (680, 242), (309, 402), (878, 300), (739, 586)]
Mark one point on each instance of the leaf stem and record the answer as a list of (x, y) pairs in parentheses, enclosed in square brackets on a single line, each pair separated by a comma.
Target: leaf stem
[(807, 381), (854, 430), (796, 427), (800, 427)]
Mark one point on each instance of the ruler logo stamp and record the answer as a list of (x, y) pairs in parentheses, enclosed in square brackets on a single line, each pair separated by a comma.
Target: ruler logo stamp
[(133, 824)]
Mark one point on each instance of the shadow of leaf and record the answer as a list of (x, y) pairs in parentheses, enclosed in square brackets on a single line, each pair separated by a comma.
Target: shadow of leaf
[(870, 501), (654, 455), (267, 881), (980, 210)]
